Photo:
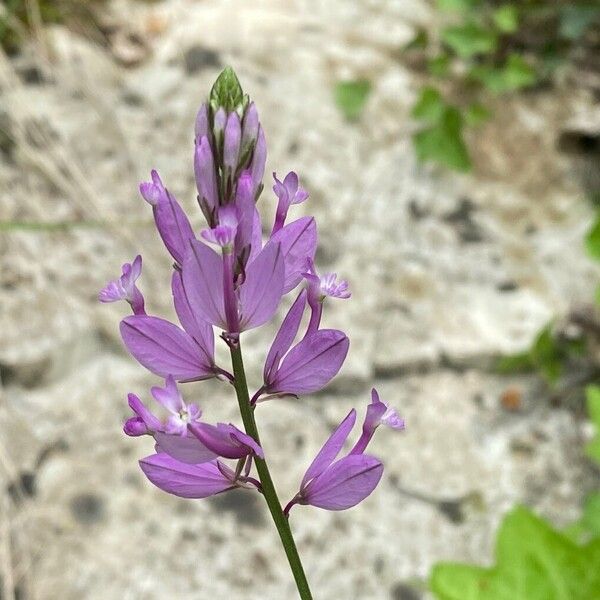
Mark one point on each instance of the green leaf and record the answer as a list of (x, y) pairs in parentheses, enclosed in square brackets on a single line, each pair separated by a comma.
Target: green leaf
[(477, 114), (506, 18), (515, 74), (443, 141), (592, 239), (533, 562), (515, 363), (574, 20), (547, 355), (430, 106), (591, 514), (470, 40), (439, 65), (592, 396), (351, 97), (457, 5), (419, 42), (226, 92)]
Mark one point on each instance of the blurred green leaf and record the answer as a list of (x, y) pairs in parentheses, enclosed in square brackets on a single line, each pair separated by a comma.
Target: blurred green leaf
[(477, 114), (592, 396), (351, 97), (506, 18), (547, 355), (419, 42), (470, 40), (533, 562), (591, 514), (592, 240), (515, 74), (439, 65), (443, 141), (515, 363), (452, 5), (574, 20), (430, 106)]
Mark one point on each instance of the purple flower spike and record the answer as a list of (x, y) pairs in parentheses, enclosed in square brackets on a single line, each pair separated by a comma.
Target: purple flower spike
[(171, 222), (289, 192), (125, 288), (310, 364), (226, 440), (378, 413), (165, 349), (187, 481), (344, 484), (181, 414)]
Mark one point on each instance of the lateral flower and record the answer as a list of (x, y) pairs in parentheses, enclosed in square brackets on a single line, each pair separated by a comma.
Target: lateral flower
[(125, 288), (342, 484), (288, 192)]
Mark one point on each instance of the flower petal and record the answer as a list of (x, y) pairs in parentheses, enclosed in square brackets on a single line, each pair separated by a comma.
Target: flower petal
[(311, 363), (345, 483), (173, 226), (186, 481), (164, 348), (285, 336), (203, 283), (331, 448), (199, 329), (187, 449), (298, 242), (225, 440), (262, 290)]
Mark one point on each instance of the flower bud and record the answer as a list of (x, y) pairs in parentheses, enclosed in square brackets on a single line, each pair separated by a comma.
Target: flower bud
[(204, 167), (201, 127), (231, 146)]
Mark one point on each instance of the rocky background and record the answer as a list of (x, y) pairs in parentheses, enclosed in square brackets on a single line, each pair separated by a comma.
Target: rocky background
[(447, 272)]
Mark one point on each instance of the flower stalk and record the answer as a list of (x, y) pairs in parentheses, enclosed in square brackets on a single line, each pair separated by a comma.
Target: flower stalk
[(268, 488)]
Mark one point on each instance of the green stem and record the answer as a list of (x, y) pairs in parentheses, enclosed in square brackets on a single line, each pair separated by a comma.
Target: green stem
[(268, 489)]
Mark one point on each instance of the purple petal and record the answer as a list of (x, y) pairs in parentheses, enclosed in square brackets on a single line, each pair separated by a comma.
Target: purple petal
[(331, 448), (233, 137), (202, 123), (285, 336), (225, 440), (139, 408), (204, 168), (169, 396), (173, 226), (311, 363), (203, 283), (261, 291), (199, 329), (186, 481), (187, 449), (298, 242), (345, 483), (163, 348), (259, 158)]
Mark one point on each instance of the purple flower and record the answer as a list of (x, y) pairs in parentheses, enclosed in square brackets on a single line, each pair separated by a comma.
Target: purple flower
[(180, 413), (310, 364), (250, 304), (186, 480), (378, 413), (319, 288), (206, 179), (171, 222), (124, 288), (341, 484), (224, 233), (288, 192)]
